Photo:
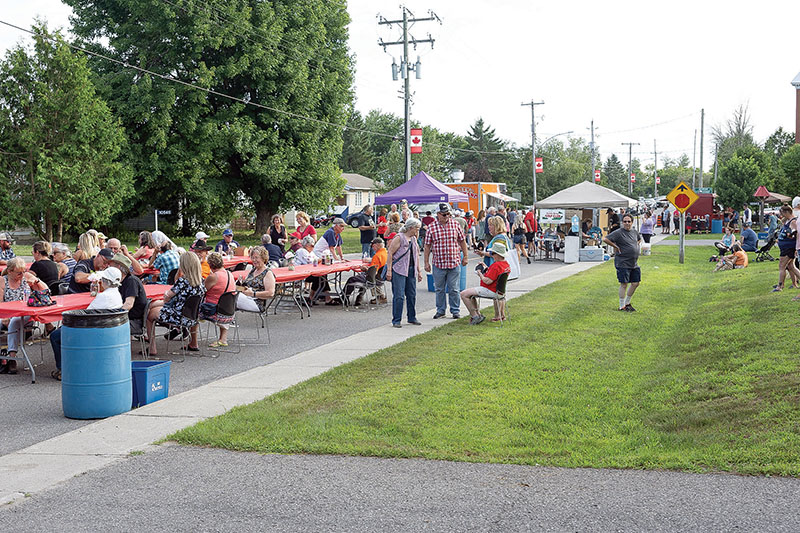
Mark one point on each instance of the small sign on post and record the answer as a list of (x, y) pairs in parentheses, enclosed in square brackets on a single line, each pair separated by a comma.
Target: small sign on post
[(682, 197)]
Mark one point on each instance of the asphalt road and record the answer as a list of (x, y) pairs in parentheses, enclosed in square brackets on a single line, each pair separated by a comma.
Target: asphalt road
[(194, 489), (33, 412)]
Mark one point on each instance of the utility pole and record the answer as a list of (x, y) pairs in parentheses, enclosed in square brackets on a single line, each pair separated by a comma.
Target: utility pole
[(630, 165), (694, 160), (533, 146), (591, 145), (405, 69), (716, 149), (655, 170), (702, 120)]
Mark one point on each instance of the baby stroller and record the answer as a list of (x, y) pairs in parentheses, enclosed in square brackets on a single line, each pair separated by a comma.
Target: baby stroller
[(762, 254)]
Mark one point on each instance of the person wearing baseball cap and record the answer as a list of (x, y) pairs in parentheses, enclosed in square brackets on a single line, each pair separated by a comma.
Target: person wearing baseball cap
[(331, 240), (295, 242), (199, 236), (80, 281), (201, 249), (488, 286), (227, 245), (108, 298), (6, 253), (446, 241), (134, 297)]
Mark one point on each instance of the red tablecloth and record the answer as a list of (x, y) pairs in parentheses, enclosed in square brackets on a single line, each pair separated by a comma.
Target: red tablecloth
[(301, 272), (227, 262), (66, 302)]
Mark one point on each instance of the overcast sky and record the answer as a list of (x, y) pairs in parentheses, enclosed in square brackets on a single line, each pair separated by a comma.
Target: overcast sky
[(629, 65)]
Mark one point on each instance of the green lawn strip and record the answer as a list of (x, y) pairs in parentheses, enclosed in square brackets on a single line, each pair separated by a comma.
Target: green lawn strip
[(701, 378), (697, 237)]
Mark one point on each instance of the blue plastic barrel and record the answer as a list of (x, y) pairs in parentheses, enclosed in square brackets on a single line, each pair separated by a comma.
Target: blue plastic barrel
[(716, 226), (95, 363), (462, 282)]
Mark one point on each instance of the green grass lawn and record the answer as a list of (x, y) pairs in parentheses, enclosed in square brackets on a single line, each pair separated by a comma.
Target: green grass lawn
[(704, 377), (698, 236), (351, 238)]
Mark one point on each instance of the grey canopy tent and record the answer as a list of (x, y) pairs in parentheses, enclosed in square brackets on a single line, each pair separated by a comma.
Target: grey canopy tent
[(586, 195)]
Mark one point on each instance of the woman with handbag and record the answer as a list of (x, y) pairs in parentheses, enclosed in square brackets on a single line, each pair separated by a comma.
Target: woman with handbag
[(219, 282), (402, 269), (16, 285)]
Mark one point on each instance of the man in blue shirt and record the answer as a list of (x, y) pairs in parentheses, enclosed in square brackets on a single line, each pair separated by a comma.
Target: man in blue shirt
[(331, 240), (749, 238), (227, 245)]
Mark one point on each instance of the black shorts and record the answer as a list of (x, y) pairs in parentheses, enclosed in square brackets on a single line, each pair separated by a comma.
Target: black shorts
[(629, 275), (529, 236), (788, 252)]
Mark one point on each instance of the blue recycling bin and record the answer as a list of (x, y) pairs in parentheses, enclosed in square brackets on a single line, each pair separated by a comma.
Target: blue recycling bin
[(716, 225), (462, 282), (95, 363)]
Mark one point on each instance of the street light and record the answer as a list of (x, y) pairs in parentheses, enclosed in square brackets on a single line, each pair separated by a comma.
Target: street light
[(556, 135)]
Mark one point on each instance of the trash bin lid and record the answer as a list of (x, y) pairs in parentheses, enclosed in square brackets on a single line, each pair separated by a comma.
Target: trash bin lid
[(95, 318)]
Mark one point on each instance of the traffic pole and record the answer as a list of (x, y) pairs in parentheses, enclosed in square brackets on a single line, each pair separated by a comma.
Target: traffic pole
[(681, 243)]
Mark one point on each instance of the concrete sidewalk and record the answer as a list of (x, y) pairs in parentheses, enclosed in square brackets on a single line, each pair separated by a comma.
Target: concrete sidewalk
[(46, 464)]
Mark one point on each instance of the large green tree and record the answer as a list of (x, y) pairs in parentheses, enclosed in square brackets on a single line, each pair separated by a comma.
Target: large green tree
[(62, 165), (790, 167), (197, 150), (738, 179)]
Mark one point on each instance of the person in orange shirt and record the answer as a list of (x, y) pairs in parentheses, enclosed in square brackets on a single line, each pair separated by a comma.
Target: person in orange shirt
[(379, 258), (738, 259)]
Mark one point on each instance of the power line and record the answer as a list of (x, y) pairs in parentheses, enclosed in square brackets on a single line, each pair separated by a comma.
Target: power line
[(649, 125)]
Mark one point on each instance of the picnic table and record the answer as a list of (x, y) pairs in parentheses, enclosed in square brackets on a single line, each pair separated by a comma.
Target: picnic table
[(53, 313), (291, 281)]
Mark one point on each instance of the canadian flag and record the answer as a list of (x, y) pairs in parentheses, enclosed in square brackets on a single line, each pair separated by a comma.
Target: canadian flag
[(416, 141), (658, 180), (633, 177), (597, 175), (539, 165)]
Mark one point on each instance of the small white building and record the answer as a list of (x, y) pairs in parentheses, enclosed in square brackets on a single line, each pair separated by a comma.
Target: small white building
[(358, 192)]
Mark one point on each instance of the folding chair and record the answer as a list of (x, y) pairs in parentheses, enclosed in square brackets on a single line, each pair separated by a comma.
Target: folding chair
[(226, 306), (139, 332), (500, 296), (262, 316), (190, 311)]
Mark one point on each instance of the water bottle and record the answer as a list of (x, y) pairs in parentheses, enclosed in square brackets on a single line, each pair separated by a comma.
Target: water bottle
[(365, 258), (95, 288)]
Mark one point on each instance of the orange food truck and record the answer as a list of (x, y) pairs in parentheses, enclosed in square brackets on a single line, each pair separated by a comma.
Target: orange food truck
[(482, 195)]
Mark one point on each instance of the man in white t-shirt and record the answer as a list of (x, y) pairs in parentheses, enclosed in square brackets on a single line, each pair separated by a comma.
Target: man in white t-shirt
[(109, 298)]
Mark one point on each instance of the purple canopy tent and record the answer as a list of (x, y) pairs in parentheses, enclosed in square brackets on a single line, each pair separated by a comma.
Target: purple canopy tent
[(421, 189)]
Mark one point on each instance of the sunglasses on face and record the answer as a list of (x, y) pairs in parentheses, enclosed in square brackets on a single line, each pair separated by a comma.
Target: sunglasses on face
[(445, 214)]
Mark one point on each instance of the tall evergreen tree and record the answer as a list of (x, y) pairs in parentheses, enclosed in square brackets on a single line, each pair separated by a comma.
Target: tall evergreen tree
[(63, 167)]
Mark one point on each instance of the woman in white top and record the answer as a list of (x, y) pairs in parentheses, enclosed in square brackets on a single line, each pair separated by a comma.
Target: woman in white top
[(109, 298)]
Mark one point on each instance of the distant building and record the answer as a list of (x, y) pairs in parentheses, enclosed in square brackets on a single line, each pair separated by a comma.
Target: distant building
[(358, 192)]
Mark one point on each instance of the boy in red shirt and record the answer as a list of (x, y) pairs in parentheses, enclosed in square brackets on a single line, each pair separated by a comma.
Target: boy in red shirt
[(488, 286)]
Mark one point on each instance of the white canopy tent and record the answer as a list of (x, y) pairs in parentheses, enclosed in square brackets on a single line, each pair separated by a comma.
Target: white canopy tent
[(586, 195)]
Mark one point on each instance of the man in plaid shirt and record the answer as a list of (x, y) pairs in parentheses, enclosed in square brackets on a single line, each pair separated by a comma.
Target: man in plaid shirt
[(446, 239), (6, 253), (167, 261)]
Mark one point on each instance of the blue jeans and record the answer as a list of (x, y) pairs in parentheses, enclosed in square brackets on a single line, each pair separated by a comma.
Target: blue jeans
[(55, 343), (447, 279), (366, 248), (404, 288)]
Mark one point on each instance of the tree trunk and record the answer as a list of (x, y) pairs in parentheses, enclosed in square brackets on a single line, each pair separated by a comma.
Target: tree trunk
[(48, 226), (264, 210), (60, 228)]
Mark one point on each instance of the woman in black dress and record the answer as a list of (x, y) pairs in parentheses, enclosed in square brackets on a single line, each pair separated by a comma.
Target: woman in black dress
[(277, 232)]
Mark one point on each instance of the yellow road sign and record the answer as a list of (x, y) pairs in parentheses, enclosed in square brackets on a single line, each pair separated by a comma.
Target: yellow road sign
[(682, 197)]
